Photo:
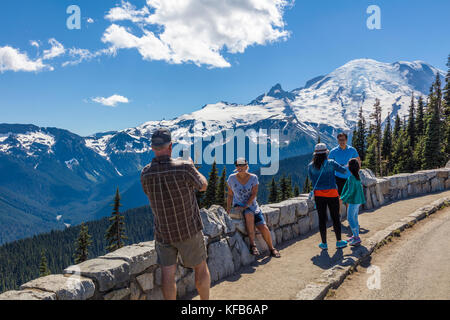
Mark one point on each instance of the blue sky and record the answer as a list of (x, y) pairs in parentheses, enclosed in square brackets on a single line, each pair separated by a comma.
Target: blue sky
[(289, 46)]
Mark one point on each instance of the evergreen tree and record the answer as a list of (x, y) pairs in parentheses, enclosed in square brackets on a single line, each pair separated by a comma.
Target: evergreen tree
[(420, 118), (447, 89), (115, 234), (273, 192), (359, 136), (376, 139), (386, 147), (221, 195), (290, 192), (432, 153), (370, 161), (307, 186), (446, 102), (43, 266), (296, 190), (210, 194), (399, 153), (418, 152), (397, 127), (82, 244), (284, 188), (411, 127)]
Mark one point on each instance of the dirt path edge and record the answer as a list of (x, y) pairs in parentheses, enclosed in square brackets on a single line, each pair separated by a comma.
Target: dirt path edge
[(333, 277)]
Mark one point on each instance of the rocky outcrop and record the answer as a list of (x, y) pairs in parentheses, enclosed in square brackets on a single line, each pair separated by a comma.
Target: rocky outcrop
[(132, 272)]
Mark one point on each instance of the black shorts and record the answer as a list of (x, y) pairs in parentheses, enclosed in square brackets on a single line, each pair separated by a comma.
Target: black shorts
[(340, 182)]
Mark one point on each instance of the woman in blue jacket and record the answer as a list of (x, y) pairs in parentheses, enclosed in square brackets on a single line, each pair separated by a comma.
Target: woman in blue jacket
[(321, 172)]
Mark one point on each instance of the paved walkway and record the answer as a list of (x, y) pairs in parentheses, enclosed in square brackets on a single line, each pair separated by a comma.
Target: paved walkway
[(302, 261), (414, 266)]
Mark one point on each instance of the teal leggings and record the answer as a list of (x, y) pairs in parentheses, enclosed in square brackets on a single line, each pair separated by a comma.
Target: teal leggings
[(352, 217)]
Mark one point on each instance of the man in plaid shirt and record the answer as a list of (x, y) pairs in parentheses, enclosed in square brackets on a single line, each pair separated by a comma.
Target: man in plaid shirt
[(170, 185)]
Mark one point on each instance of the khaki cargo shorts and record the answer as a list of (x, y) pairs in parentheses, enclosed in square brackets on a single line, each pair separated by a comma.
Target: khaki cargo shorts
[(192, 252)]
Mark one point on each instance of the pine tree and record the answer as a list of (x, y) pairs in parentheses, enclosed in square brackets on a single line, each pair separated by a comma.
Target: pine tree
[(221, 195), (115, 234), (273, 192), (399, 153), (370, 161), (386, 147), (210, 194), (43, 267), (296, 190), (446, 102), (82, 244), (290, 192), (284, 188), (376, 139), (432, 153), (411, 127), (397, 127), (420, 118), (307, 186), (446, 94), (359, 136)]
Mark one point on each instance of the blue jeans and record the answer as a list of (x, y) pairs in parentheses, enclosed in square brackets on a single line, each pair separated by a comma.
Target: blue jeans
[(352, 217)]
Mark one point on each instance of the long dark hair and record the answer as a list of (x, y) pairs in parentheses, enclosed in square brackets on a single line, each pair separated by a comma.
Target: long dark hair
[(318, 160), (353, 166)]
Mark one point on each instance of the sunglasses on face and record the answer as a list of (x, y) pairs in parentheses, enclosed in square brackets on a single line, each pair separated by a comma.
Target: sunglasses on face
[(241, 165)]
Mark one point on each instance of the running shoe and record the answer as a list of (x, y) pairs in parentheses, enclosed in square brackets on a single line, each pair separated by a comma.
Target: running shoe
[(355, 241), (341, 244), (323, 246)]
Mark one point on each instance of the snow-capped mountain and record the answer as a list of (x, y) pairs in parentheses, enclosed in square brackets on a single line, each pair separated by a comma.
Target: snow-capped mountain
[(325, 105), (47, 172)]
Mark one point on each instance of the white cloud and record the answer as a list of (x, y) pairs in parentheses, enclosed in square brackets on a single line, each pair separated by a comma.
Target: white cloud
[(112, 101), (197, 31), (34, 43), (90, 20), (126, 11), (12, 59), (81, 55), (56, 50)]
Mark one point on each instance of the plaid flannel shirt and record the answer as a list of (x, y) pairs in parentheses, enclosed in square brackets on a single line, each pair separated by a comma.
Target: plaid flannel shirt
[(170, 186)]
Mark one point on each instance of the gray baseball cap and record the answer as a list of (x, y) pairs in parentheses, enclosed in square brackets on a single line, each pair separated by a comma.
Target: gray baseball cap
[(161, 137)]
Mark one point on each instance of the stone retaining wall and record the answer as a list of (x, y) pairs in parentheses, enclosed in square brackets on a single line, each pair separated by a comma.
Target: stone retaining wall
[(132, 273)]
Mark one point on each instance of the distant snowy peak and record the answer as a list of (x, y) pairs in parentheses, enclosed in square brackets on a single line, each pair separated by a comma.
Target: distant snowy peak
[(336, 98), (326, 103), (275, 92), (29, 140)]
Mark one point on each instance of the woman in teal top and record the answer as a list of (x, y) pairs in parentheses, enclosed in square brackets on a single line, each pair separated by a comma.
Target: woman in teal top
[(353, 194)]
